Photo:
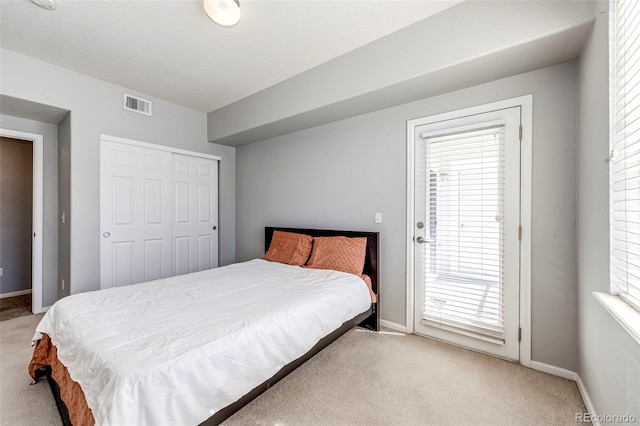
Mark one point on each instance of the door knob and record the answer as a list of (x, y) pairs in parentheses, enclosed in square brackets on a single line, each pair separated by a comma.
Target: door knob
[(422, 240), (106, 234)]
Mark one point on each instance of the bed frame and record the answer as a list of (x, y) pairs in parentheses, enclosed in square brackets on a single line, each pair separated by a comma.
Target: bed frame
[(369, 319)]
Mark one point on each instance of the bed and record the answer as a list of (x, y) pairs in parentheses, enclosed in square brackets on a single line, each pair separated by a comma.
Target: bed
[(163, 351)]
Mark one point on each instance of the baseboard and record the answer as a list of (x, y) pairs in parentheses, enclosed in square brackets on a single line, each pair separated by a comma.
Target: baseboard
[(393, 326), (556, 371), (571, 375), (44, 309), (15, 293), (587, 400)]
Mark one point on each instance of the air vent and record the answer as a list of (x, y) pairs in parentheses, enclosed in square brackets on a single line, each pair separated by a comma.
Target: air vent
[(134, 104)]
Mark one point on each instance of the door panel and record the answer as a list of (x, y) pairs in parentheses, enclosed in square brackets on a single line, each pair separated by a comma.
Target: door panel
[(123, 261), (467, 198), (195, 213), (153, 259), (135, 219), (182, 253)]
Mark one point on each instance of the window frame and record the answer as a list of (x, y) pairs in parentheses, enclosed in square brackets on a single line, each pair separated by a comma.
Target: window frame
[(614, 289)]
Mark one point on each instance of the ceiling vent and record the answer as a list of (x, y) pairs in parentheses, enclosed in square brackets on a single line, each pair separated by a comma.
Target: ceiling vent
[(131, 103)]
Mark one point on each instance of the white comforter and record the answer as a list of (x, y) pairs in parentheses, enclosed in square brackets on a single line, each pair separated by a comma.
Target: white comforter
[(177, 350)]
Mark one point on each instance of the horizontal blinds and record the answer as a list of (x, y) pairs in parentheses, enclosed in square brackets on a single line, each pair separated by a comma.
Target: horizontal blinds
[(465, 205), (625, 160)]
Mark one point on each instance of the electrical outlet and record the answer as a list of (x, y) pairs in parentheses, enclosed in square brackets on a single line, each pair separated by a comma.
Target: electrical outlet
[(377, 217), (1, 272), (63, 284)]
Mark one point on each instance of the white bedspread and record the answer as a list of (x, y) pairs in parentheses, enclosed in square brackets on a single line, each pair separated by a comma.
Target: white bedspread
[(177, 350)]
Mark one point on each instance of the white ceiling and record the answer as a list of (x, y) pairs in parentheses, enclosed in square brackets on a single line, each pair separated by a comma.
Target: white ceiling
[(171, 50)]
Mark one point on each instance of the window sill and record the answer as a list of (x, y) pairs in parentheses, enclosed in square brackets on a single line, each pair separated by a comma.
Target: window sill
[(628, 317)]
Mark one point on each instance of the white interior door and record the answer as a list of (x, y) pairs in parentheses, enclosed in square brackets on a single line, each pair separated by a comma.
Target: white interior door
[(466, 235), (135, 205), (195, 213)]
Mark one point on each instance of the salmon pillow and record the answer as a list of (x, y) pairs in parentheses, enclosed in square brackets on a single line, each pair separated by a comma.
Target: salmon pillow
[(289, 248), (338, 253)]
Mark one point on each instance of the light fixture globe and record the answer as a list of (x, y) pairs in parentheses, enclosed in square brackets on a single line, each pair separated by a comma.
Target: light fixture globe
[(45, 4), (223, 12)]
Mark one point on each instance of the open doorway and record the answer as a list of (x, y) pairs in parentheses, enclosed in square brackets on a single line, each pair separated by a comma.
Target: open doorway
[(21, 216), (16, 212)]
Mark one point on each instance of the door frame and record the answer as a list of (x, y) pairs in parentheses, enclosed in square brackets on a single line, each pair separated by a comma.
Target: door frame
[(37, 220), (526, 151)]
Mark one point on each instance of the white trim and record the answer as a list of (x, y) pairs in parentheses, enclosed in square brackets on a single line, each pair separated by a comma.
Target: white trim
[(582, 388), (570, 375), (38, 200), (526, 151), (411, 204), (622, 312), (174, 150), (556, 371), (526, 191), (15, 294), (393, 326)]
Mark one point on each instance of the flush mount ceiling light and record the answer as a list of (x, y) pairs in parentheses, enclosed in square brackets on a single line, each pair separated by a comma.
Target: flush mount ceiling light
[(45, 4), (223, 12)]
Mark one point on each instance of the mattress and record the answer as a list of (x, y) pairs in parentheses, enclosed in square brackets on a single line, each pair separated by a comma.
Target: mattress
[(175, 351)]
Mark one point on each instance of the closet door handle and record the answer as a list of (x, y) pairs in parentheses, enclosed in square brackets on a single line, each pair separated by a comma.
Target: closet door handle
[(215, 227), (106, 234)]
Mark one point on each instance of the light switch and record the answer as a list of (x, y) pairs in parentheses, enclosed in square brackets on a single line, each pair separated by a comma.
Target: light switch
[(1, 272), (378, 217)]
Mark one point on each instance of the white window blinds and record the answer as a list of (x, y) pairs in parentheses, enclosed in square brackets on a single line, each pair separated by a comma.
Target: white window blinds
[(465, 206), (625, 154)]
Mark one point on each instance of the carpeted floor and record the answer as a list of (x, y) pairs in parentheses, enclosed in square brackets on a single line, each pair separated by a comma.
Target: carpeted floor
[(363, 378), (12, 307)]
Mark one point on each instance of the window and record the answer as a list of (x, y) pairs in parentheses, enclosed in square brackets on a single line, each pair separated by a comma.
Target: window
[(463, 285), (625, 150)]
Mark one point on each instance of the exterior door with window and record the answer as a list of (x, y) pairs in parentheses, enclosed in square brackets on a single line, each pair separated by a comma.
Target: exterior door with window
[(466, 231)]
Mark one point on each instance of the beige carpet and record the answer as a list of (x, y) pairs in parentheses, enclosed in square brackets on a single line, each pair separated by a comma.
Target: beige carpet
[(363, 378), (12, 307)]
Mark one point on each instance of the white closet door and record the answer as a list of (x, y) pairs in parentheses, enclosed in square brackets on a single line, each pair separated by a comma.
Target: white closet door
[(135, 205), (195, 214)]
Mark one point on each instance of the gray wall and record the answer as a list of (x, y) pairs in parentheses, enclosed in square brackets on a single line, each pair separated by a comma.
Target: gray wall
[(50, 204), (16, 213), (96, 107), (609, 356), (337, 175)]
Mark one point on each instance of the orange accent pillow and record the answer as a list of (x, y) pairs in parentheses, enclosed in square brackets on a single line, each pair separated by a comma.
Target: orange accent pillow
[(289, 248), (367, 281), (338, 253)]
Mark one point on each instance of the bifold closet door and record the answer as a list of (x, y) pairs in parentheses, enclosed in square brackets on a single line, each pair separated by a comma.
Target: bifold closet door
[(195, 213), (135, 218)]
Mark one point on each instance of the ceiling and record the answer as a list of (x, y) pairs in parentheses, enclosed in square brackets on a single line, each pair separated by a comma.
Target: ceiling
[(172, 51)]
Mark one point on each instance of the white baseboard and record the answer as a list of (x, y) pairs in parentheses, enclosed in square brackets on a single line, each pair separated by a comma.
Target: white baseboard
[(393, 326), (587, 400), (44, 309), (571, 375), (15, 293), (556, 371)]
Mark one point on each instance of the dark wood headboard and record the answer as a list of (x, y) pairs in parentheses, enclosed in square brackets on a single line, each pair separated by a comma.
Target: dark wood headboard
[(371, 263)]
